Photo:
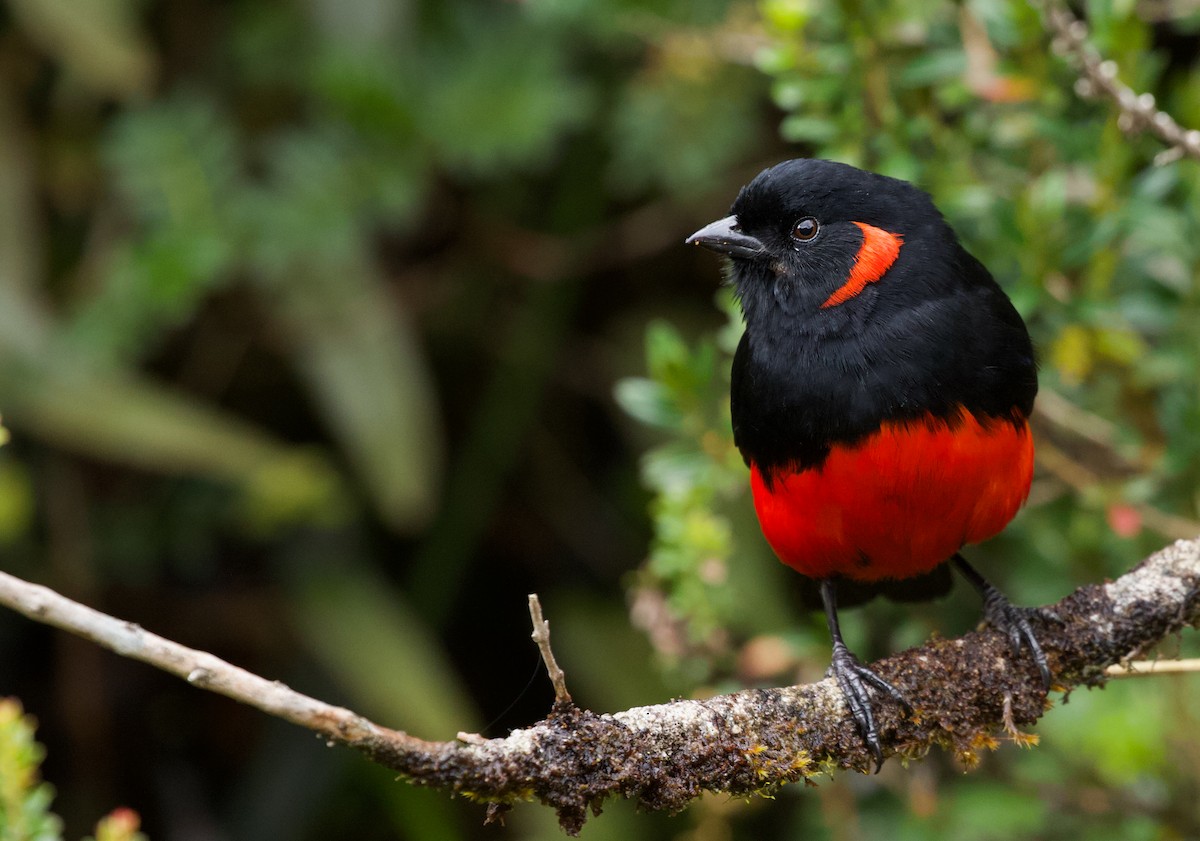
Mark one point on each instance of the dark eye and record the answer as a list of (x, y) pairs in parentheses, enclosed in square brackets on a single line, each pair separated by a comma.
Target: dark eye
[(805, 229)]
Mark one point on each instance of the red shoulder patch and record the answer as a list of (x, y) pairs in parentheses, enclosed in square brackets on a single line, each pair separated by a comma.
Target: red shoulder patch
[(875, 256)]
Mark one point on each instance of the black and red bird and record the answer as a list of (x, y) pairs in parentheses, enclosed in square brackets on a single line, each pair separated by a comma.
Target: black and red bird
[(880, 394)]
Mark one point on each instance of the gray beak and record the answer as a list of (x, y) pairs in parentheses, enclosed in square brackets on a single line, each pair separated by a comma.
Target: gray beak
[(724, 237)]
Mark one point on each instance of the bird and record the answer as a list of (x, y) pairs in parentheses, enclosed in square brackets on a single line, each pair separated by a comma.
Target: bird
[(880, 395)]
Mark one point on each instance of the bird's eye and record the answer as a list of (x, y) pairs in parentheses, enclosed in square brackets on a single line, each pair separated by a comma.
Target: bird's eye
[(805, 229)]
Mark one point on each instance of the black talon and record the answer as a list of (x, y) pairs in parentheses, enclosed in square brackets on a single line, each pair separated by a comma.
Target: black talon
[(1009, 619), (853, 679)]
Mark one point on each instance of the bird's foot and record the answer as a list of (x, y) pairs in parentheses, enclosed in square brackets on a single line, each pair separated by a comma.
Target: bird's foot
[(1010, 620), (854, 679), (1013, 622)]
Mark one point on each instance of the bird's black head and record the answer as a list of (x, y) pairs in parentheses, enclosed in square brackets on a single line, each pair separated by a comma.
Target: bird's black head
[(815, 243), (861, 306)]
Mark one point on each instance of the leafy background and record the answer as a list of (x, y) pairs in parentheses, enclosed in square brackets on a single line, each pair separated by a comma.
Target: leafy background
[(329, 330)]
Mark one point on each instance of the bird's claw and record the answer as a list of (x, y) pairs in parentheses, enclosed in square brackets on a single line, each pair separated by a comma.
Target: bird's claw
[(1013, 622), (1010, 620), (853, 678)]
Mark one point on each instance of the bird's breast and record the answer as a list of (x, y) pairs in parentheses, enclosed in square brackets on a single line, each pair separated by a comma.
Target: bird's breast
[(899, 501)]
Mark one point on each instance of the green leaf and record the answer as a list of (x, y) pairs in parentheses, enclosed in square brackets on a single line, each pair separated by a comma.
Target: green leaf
[(798, 128), (24, 799), (787, 16), (665, 349), (676, 468), (16, 499), (933, 67), (648, 402), (132, 421), (353, 345)]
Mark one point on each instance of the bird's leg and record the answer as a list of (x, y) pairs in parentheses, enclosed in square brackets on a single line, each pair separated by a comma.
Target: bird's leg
[(853, 678), (1007, 618)]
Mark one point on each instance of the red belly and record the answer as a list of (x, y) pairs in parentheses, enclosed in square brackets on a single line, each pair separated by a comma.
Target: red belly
[(899, 502)]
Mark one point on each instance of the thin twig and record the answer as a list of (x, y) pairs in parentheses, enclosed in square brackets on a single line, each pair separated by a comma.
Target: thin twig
[(541, 636), (1139, 112), (1150, 668), (1077, 421), (198, 668)]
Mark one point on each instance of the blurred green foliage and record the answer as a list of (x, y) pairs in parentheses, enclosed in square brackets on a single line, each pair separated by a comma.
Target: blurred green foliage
[(25, 799), (310, 315)]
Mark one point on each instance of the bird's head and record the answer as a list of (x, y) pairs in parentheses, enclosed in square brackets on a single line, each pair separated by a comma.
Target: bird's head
[(815, 245)]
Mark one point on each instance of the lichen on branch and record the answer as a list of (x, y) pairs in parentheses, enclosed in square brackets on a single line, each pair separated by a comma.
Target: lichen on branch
[(967, 694)]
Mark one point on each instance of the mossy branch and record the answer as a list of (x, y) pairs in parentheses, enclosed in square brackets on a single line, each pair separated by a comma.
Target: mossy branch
[(965, 691)]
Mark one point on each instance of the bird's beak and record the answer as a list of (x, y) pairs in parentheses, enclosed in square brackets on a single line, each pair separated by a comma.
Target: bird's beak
[(724, 237)]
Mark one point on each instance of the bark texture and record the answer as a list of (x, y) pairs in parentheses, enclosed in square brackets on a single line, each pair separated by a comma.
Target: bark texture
[(965, 692)]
